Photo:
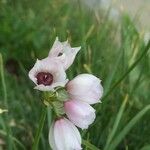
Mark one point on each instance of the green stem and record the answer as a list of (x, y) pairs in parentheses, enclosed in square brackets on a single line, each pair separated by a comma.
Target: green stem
[(3, 80), (39, 130), (89, 145)]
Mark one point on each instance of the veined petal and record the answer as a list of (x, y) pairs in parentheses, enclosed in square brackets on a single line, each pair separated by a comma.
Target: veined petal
[(56, 48), (65, 136), (45, 67), (51, 137), (80, 113), (64, 53), (68, 58), (85, 87)]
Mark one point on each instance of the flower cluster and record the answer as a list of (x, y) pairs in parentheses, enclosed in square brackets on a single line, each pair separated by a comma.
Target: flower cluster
[(70, 100)]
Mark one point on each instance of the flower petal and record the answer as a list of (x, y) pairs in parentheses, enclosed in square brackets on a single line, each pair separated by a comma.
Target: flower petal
[(70, 138), (80, 113), (85, 87), (52, 66), (68, 58), (67, 53), (51, 88), (56, 48), (51, 137)]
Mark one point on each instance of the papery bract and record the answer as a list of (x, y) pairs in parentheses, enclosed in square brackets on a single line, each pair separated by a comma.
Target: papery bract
[(63, 135), (64, 53), (80, 113), (47, 74), (85, 87)]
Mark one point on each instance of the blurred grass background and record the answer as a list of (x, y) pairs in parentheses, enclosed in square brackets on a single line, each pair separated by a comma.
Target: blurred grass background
[(115, 52)]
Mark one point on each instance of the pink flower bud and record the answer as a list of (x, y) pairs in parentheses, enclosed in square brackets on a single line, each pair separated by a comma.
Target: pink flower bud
[(47, 74), (64, 53), (85, 87), (80, 113), (64, 135)]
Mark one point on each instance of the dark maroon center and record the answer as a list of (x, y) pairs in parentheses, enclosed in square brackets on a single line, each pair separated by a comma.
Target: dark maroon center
[(44, 78)]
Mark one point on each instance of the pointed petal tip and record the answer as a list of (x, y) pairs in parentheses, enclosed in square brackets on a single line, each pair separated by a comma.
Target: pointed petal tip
[(77, 48)]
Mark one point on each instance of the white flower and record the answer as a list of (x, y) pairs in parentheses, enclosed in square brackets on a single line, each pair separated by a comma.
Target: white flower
[(80, 113), (47, 74), (63, 135), (64, 53), (85, 87)]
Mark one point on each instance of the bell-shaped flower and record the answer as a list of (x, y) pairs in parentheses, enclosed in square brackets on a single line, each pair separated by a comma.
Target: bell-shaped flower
[(47, 74), (80, 113), (85, 87), (64, 52), (63, 135)]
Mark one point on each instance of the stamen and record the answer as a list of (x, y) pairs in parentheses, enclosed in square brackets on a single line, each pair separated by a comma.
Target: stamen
[(44, 78)]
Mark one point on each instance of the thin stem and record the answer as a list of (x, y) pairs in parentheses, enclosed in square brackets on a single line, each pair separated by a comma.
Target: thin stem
[(89, 145), (3, 80), (39, 130)]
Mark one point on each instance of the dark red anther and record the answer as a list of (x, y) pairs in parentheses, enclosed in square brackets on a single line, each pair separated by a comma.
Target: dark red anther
[(44, 78)]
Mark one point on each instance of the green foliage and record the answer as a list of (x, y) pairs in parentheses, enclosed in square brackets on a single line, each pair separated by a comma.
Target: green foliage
[(114, 52)]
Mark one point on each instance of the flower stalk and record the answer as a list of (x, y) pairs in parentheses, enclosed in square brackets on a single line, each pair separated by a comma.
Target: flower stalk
[(39, 130)]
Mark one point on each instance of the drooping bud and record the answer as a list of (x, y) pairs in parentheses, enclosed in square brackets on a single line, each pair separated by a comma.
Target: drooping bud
[(63, 135)]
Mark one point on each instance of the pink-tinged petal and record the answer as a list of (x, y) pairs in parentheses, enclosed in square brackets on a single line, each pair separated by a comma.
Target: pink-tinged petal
[(64, 53), (66, 135), (68, 59), (80, 113), (48, 67), (56, 48), (85, 87)]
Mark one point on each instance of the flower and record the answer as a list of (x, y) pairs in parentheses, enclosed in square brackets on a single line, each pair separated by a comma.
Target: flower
[(63, 53), (47, 74), (80, 113), (63, 135), (85, 87)]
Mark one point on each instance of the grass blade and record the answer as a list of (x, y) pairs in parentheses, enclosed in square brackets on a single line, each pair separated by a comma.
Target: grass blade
[(8, 129), (129, 70), (3, 80), (116, 124), (113, 72), (127, 128), (14, 139)]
